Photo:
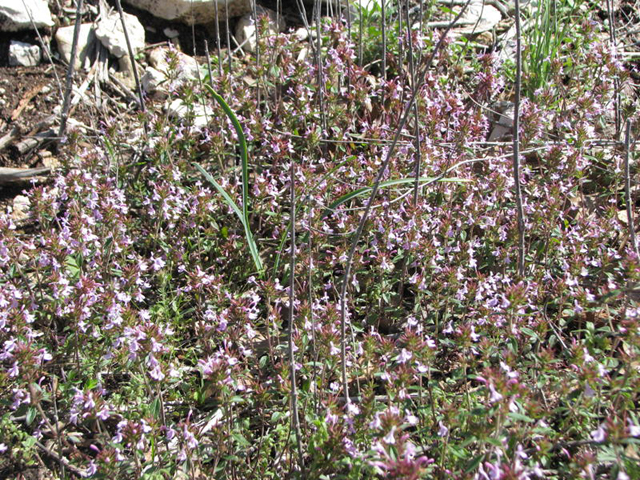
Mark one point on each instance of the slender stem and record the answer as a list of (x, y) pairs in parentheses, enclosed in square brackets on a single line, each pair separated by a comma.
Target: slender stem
[(209, 69), (616, 80), (218, 42), (383, 20), (226, 21), (627, 188), (292, 361), (69, 81), (412, 74), (516, 142), (133, 65), (45, 47), (374, 192)]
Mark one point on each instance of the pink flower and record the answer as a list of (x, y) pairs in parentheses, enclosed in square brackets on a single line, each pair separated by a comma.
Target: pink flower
[(405, 356), (599, 435), (443, 430), (390, 438)]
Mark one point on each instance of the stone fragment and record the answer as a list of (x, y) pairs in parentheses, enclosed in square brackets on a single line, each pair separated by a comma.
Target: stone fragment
[(168, 68), (246, 28), (21, 207), (199, 113), (153, 82), (48, 160), (302, 34), (125, 72), (171, 33), (503, 127), (86, 39), (111, 34), (162, 58), (18, 15), (477, 18), (23, 54), (193, 12)]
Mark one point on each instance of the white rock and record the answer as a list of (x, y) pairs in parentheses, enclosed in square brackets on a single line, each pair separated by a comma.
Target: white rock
[(171, 32), (200, 114), (193, 12), (21, 207), (503, 127), (111, 34), (86, 39), (508, 43), (177, 67), (125, 72), (161, 57), (246, 29), (17, 15), (301, 34), (23, 54), (153, 82), (478, 18), (169, 68)]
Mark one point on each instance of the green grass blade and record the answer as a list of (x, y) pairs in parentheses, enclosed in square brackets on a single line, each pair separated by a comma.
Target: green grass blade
[(227, 198), (241, 212), (389, 183), (253, 248), (243, 146)]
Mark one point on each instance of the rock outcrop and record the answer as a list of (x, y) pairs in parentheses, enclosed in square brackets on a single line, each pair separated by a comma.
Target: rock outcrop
[(18, 15), (193, 12)]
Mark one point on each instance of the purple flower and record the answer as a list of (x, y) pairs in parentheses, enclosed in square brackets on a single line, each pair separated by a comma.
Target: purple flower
[(495, 395), (390, 438), (599, 434), (405, 356)]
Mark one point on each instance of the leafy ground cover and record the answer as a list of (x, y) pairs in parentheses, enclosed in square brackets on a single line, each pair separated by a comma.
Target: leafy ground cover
[(169, 286)]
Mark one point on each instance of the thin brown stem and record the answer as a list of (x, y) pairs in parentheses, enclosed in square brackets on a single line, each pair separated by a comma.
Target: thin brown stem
[(627, 188), (66, 102), (295, 420), (516, 143)]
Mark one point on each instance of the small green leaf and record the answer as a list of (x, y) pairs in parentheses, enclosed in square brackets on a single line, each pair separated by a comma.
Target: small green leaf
[(519, 417), (31, 415)]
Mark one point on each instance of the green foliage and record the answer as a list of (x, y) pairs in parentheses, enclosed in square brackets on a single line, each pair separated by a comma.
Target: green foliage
[(242, 213), (549, 36)]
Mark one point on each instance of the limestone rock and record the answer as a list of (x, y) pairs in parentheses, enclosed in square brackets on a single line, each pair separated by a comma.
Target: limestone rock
[(23, 54), (168, 69), (17, 15), (503, 126), (86, 39), (199, 113), (246, 29), (186, 66), (111, 34), (477, 18), (125, 72), (21, 208), (192, 12), (153, 82)]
